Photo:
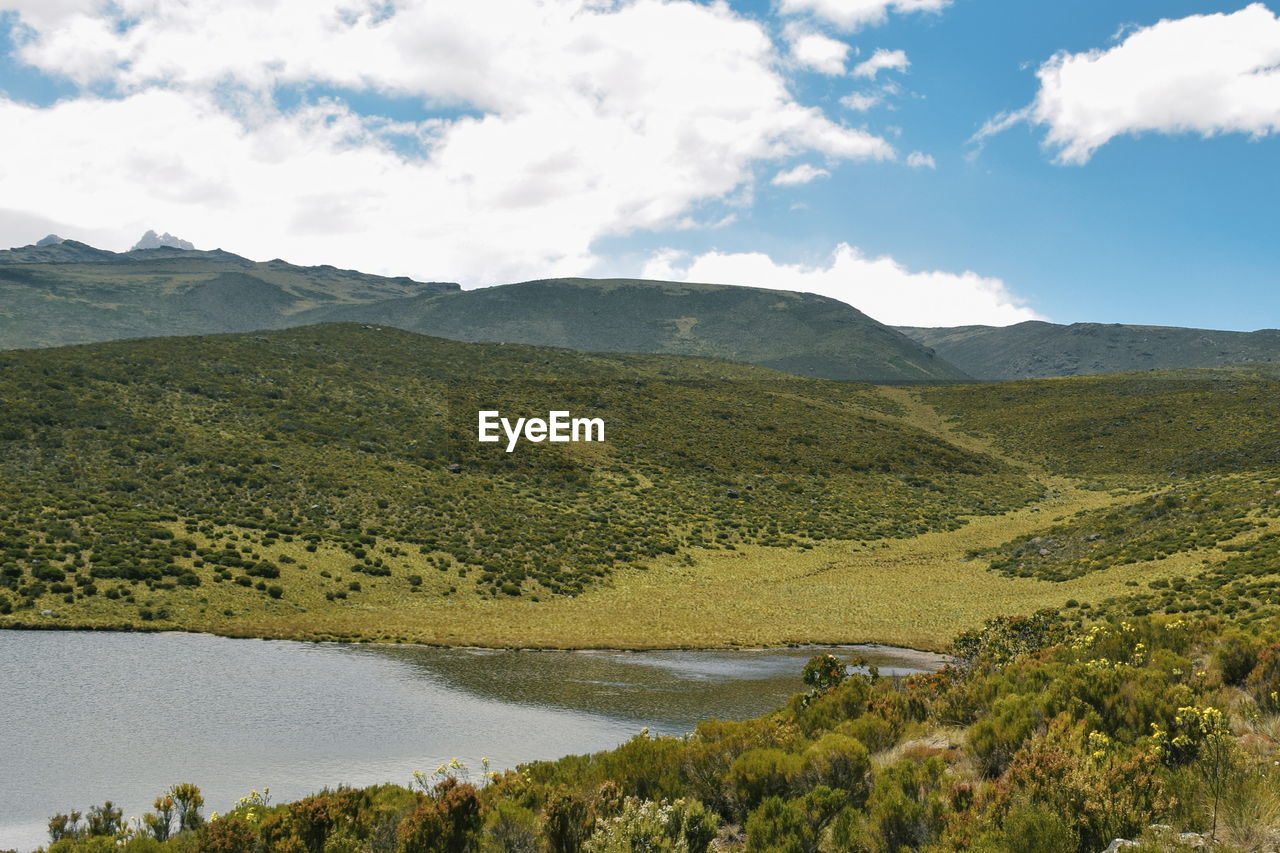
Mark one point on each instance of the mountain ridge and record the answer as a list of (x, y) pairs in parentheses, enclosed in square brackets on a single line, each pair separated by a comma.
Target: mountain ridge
[(1036, 349), (69, 292), (800, 333)]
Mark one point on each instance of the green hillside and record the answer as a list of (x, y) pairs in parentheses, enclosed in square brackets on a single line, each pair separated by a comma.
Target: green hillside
[(1035, 349), (1199, 452), (1137, 427), (262, 483), (794, 332), (70, 292)]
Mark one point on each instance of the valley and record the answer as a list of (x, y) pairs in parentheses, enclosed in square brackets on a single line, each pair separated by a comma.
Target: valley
[(271, 488), (1097, 555)]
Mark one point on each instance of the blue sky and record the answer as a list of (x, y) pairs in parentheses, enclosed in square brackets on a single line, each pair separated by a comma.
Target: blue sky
[(1129, 171)]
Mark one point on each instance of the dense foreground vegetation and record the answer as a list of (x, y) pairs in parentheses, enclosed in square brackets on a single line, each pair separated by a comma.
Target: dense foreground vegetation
[(1046, 735)]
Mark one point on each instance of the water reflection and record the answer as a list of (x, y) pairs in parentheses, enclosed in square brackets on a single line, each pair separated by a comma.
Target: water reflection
[(668, 690), (93, 716)]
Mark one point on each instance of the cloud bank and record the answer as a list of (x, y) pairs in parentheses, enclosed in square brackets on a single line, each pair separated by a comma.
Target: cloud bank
[(880, 287), (548, 125), (497, 140)]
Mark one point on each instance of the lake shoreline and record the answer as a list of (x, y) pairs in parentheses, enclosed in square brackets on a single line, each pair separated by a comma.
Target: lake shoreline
[(902, 651), (297, 717)]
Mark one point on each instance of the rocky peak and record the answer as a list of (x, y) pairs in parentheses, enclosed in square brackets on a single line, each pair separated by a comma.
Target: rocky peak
[(151, 240)]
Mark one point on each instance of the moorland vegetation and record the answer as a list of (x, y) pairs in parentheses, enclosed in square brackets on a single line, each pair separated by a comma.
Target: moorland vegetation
[(283, 476), (320, 481), (1045, 735)]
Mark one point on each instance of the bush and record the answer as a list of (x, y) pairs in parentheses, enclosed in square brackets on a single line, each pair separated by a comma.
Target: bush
[(1264, 680), (761, 773), (48, 574), (445, 822), (905, 809), (996, 737), (823, 672), (839, 761), (568, 822), (679, 827), (1116, 800), (227, 835), (1236, 657), (1035, 829), (263, 569), (827, 710), (777, 826), (510, 828), (872, 730)]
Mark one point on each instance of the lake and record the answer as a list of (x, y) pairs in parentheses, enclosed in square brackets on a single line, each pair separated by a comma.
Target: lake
[(90, 716)]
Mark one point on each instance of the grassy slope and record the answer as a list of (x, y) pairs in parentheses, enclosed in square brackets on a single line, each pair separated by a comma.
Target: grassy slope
[(317, 458), (796, 332), (1156, 426), (1200, 450), (1036, 350), (915, 534)]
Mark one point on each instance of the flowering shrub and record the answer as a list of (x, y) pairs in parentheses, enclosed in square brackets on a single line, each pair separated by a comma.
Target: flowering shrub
[(644, 825)]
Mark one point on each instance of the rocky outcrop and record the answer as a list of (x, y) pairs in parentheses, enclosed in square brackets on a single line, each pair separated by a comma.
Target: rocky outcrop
[(151, 240)]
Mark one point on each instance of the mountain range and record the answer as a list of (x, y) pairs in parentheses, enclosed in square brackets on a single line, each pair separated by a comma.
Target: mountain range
[(65, 292), (69, 292)]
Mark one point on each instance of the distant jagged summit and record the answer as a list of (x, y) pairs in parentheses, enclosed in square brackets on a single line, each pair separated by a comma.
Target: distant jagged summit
[(51, 240), (151, 240), (70, 292)]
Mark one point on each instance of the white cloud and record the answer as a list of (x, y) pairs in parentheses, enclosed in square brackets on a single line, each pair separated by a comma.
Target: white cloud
[(802, 174), (852, 14), (813, 50), (583, 119), (861, 101), (882, 60), (920, 160), (880, 287), (42, 13), (1205, 74)]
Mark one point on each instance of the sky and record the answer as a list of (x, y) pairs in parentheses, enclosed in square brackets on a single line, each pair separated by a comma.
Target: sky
[(931, 162)]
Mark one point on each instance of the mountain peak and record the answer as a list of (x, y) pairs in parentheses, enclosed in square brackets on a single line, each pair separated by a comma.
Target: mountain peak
[(151, 240), (51, 240)]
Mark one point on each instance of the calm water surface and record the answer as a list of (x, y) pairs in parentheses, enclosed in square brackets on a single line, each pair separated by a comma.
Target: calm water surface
[(86, 717)]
